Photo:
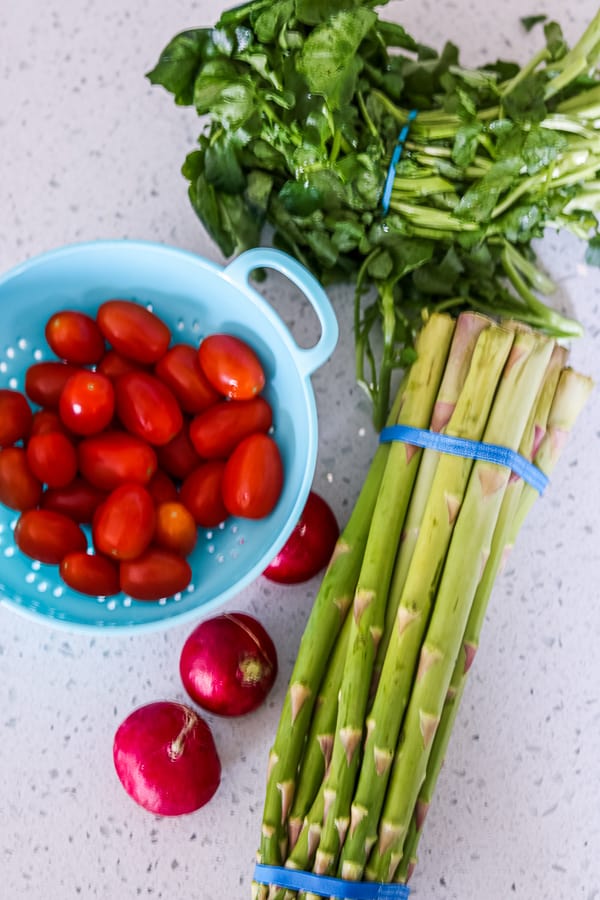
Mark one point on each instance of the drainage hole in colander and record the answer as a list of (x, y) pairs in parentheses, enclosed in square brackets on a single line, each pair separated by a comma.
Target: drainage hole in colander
[(42, 586)]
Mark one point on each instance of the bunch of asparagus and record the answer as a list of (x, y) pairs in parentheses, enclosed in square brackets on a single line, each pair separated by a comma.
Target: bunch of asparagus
[(383, 661)]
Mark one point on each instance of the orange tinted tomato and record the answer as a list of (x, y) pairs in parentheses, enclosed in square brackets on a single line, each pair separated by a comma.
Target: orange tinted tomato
[(90, 574), (123, 524), (48, 536), (147, 407), (253, 477), (52, 458), (87, 402), (133, 330), (180, 370), (109, 459), (201, 494), (155, 574), (19, 488), (75, 337), (44, 382), (215, 432), (78, 500), (231, 366), (15, 417), (175, 528)]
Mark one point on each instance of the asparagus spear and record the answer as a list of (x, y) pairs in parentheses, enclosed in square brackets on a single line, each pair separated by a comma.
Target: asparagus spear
[(422, 384), (446, 495), (532, 438), (467, 554)]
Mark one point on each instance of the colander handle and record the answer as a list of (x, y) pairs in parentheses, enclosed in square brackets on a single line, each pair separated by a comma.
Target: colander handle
[(240, 269)]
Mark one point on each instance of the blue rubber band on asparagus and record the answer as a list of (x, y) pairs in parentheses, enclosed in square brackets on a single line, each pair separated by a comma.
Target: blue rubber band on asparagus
[(444, 443), (396, 154), (327, 886)]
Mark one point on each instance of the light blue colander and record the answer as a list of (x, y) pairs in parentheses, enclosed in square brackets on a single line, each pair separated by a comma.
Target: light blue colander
[(194, 297)]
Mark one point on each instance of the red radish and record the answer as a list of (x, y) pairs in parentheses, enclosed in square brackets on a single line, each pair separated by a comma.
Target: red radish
[(166, 759), (228, 664), (310, 545)]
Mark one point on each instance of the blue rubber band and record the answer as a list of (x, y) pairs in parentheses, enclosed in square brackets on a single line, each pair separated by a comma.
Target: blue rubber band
[(396, 154), (327, 886), (444, 443)]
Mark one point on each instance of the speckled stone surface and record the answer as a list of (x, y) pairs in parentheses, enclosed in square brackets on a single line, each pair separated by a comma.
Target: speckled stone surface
[(89, 149)]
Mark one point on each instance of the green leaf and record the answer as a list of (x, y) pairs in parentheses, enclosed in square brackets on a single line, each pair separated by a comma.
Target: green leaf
[(313, 12), (528, 22), (465, 143), (222, 93), (541, 147), (329, 59), (525, 103), (270, 21), (592, 254), (179, 62), (478, 202), (555, 40), (440, 277), (300, 199), (222, 167)]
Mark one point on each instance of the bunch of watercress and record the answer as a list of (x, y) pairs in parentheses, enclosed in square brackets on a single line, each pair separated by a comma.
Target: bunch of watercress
[(302, 103)]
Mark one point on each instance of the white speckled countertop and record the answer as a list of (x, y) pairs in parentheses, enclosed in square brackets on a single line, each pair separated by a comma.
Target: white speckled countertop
[(89, 149)]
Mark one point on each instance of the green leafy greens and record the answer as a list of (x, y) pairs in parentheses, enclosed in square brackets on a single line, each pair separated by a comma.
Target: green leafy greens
[(302, 103)]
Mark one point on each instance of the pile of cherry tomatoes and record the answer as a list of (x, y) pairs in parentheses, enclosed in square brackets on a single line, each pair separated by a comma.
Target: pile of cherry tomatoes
[(142, 439)]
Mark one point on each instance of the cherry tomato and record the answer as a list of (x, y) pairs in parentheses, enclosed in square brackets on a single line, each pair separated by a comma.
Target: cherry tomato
[(46, 420), (15, 417), (180, 370), (52, 458), (147, 407), (90, 574), (133, 330), (44, 382), (219, 429), (231, 366), (161, 487), (19, 488), (87, 402), (253, 477), (78, 500), (75, 337), (155, 574), (48, 536), (114, 364), (178, 458), (124, 524), (175, 528), (201, 494), (109, 459)]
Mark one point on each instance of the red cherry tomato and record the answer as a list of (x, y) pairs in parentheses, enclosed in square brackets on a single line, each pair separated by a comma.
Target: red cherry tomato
[(175, 528), (15, 417), (44, 382), (231, 366), (161, 487), (147, 407), (75, 337), (109, 459), (218, 430), (46, 420), (201, 494), (178, 458), (19, 488), (155, 574), (180, 370), (78, 500), (253, 477), (113, 364), (48, 536), (90, 574), (133, 330), (52, 458), (124, 524), (87, 402)]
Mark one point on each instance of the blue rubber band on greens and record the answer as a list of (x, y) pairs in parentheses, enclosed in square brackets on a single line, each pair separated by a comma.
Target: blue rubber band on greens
[(327, 886), (396, 154), (444, 443)]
